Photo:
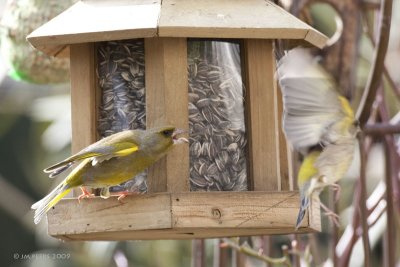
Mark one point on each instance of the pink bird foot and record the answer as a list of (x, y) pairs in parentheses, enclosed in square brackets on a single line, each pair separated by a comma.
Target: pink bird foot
[(85, 194)]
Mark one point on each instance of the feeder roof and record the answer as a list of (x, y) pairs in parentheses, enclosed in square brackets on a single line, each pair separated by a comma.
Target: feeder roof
[(104, 20)]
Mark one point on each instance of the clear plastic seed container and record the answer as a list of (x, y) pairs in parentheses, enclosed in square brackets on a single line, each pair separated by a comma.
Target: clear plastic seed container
[(120, 73), (217, 134)]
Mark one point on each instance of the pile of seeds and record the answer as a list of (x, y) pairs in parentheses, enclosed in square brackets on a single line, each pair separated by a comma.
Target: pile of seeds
[(216, 117), (120, 73), (216, 109)]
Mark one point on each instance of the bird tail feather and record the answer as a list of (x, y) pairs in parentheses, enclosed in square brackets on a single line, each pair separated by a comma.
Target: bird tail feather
[(46, 203), (305, 202)]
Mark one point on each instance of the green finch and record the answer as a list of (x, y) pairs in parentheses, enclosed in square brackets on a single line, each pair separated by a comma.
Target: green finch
[(320, 169), (315, 115), (109, 162)]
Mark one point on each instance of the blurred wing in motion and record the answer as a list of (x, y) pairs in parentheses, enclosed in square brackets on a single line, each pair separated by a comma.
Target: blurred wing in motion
[(312, 106)]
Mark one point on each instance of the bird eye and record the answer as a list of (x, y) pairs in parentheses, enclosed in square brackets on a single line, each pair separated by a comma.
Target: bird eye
[(167, 132)]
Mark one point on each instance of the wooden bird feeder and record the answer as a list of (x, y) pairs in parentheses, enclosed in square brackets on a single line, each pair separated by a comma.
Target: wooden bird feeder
[(182, 62)]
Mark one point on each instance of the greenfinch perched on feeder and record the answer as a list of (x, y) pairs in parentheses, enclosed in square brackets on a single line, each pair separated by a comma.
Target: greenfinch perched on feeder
[(315, 115), (109, 162)]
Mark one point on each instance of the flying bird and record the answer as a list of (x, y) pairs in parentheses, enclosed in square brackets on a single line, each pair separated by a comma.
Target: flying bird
[(318, 122)]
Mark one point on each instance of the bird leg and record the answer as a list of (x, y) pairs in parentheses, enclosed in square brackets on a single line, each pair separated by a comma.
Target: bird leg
[(333, 217), (85, 194), (123, 194), (105, 193), (337, 189)]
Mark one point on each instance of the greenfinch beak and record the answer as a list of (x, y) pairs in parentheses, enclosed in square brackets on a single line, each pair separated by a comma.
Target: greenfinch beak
[(177, 139)]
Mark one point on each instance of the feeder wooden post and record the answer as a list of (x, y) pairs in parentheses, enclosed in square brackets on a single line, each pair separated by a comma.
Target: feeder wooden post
[(261, 118), (285, 169), (167, 103), (83, 95)]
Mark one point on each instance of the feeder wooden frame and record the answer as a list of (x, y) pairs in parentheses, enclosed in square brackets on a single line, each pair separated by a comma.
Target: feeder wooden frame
[(169, 210)]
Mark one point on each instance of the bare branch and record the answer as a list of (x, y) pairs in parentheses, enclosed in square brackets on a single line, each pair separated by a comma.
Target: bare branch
[(255, 254)]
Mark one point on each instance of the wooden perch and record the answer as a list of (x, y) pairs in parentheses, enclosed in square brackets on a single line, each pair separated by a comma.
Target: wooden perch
[(180, 216)]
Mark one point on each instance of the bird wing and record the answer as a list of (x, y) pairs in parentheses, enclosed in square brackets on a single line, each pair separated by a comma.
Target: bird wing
[(117, 145), (310, 98)]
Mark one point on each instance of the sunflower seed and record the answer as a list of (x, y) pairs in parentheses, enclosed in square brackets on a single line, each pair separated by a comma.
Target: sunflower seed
[(216, 118), (120, 74)]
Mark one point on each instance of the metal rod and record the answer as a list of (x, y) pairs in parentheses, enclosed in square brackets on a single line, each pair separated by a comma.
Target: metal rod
[(374, 78), (198, 253), (363, 201), (392, 163), (390, 254), (381, 128)]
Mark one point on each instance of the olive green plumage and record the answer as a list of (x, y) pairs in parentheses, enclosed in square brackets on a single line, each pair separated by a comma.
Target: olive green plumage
[(109, 162)]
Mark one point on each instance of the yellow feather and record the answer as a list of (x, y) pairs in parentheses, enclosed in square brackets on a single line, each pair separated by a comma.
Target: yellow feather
[(55, 200), (307, 168), (125, 152), (74, 177), (346, 107)]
